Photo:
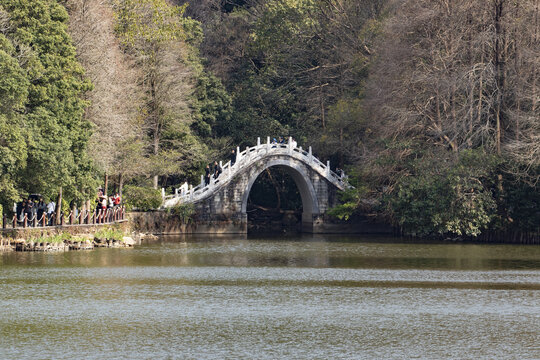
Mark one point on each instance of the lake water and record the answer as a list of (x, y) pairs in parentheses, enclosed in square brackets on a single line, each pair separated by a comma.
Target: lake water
[(314, 297)]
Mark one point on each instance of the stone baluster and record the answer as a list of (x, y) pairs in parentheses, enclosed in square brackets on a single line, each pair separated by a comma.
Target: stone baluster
[(268, 144), (290, 146), (328, 168), (237, 154), (310, 156)]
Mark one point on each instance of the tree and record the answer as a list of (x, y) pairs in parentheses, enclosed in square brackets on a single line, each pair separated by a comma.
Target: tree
[(52, 114), (115, 100), (451, 79), (13, 92), (154, 32)]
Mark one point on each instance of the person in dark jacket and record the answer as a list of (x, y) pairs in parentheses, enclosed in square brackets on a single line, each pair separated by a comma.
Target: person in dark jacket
[(41, 208), (233, 157), (207, 174), (217, 170)]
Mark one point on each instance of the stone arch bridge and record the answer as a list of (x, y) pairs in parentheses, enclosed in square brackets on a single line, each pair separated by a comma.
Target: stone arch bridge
[(225, 198)]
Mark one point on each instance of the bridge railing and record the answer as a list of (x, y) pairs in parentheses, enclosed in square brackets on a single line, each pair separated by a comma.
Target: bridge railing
[(189, 193), (83, 217)]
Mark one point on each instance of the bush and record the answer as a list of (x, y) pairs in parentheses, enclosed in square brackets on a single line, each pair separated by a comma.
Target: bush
[(54, 239), (109, 234), (454, 200), (141, 198), (184, 212)]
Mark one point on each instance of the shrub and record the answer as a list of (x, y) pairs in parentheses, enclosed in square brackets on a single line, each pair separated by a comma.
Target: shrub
[(109, 234), (54, 239), (141, 198), (184, 212), (454, 200)]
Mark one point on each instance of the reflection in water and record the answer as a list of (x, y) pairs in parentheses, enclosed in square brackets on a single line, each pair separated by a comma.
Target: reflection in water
[(314, 297)]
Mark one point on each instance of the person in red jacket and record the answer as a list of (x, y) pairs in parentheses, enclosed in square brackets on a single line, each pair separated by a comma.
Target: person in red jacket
[(116, 199)]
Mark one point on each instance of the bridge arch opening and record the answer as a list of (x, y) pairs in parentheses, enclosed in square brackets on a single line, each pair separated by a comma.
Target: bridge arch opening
[(308, 199)]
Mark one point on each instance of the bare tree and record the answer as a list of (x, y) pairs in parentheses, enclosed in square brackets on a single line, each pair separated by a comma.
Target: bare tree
[(455, 75), (115, 99)]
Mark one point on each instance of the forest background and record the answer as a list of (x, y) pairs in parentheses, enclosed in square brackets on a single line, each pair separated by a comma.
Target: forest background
[(430, 105)]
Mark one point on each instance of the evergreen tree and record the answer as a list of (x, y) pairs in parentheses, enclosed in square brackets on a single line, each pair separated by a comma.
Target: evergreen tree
[(51, 115)]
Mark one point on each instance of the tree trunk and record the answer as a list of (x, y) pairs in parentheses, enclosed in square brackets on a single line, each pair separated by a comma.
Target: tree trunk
[(481, 87), (156, 131), (341, 148), (321, 100), (499, 75), (59, 206), (535, 71), (120, 186), (106, 186)]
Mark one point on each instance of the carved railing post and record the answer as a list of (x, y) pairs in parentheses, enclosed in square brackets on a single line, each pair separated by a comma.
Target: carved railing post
[(289, 147), (310, 156), (328, 168)]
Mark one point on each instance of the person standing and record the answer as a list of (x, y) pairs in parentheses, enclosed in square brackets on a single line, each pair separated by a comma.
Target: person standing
[(293, 143), (233, 157), (207, 174), (41, 208), (117, 199), (217, 170), (28, 211), (51, 206)]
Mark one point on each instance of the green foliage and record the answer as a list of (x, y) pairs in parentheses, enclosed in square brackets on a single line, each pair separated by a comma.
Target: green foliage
[(132, 21), (212, 105), (456, 200), (109, 233), (54, 239), (13, 94), (351, 200), (141, 198), (184, 211), (521, 205), (43, 133), (345, 127), (164, 46)]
